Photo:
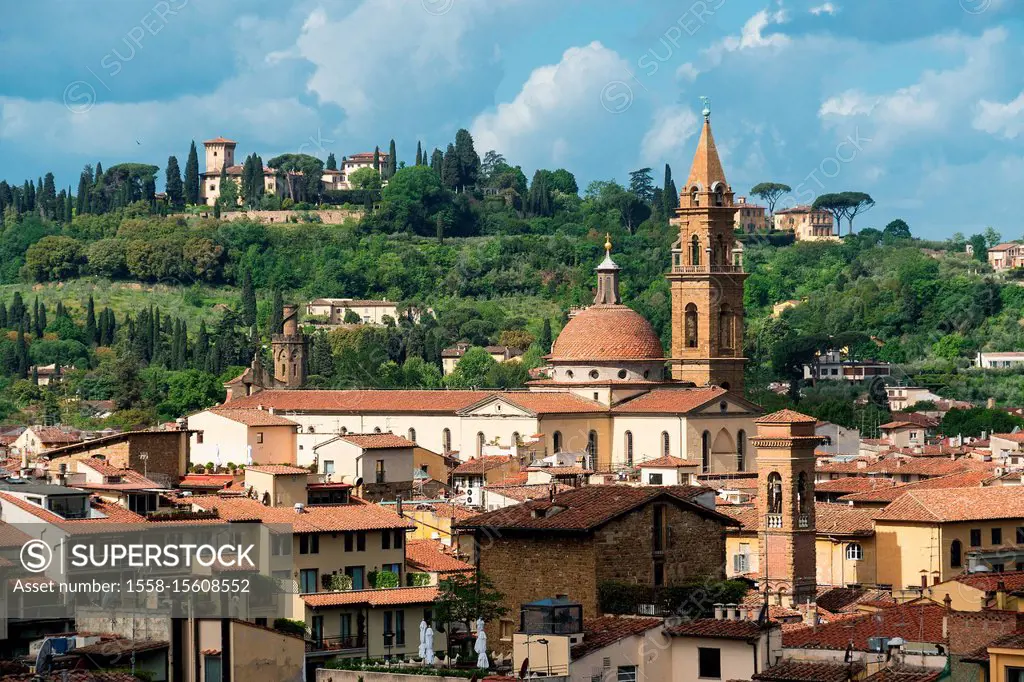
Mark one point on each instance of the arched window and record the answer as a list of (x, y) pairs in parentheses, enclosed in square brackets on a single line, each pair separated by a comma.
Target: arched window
[(695, 251), (629, 448), (665, 444), (854, 552), (956, 554), (344, 431), (516, 440), (725, 326), (556, 443), (719, 196), (694, 197), (741, 450), (774, 493), (480, 443), (376, 429), (720, 257), (705, 452), (412, 435), (446, 440), (591, 449), (690, 324), (803, 504)]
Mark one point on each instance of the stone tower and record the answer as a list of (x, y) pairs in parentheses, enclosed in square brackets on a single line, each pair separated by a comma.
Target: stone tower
[(290, 350), (707, 276), (785, 445), (220, 152)]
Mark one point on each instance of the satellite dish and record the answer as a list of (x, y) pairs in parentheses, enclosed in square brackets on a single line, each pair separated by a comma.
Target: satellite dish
[(44, 658)]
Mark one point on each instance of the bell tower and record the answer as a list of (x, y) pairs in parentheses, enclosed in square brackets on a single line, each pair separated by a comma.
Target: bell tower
[(785, 445), (707, 275), (289, 349)]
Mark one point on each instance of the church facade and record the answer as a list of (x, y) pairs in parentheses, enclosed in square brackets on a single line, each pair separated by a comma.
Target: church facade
[(611, 392)]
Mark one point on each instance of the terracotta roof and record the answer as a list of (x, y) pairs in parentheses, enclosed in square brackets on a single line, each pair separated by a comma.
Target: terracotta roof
[(220, 140), (314, 519), (395, 596), (853, 466), (956, 504), (888, 426), (11, 536), (607, 332), (51, 435), (605, 630), (839, 599), (1013, 640), (552, 403), (252, 417), (1006, 246), (448, 511), (923, 466), (667, 462), (206, 480), (584, 509), (378, 441), (277, 469), (481, 465), (522, 493), (719, 629), (967, 479), (74, 676), (842, 519), (786, 417), (360, 401), (1015, 437), (670, 400), (706, 169), (853, 484), (563, 471), (989, 582), (802, 671), (917, 621), (130, 479), (904, 675), (428, 555)]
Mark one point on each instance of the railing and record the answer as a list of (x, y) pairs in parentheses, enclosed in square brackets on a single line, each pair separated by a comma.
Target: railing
[(729, 269), (803, 521), (336, 643), (775, 520)]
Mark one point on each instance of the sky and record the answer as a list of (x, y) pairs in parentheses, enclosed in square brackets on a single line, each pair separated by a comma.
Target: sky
[(918, 102)]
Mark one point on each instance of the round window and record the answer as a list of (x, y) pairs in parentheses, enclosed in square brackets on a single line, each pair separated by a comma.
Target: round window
[(622, 374), (569, 374), (594, 374)]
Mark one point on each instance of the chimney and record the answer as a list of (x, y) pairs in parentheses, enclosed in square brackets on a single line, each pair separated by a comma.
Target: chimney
[(1001, 595), (718, 612), (811, 615), (990, 403), (737, 613), (731, 612)]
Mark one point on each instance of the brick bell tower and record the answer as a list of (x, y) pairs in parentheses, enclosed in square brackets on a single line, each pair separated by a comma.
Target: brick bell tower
[(785, 445), (707, 276), (289, 349)]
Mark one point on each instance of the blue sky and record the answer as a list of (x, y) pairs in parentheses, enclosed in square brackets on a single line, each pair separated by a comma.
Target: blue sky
[(919, 102)]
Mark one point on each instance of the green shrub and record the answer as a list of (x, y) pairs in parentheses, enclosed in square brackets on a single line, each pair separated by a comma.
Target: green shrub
[(418, 579), (383, 579), (293, 627), (693, 600)]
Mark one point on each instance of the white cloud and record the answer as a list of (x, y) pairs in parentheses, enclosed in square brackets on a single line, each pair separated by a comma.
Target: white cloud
[(849, 103), (826, 8), (670, 128), (752, 36), (687, 72), (572, 102), (1001, 119)]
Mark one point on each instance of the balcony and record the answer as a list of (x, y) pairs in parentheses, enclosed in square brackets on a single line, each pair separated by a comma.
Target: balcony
[(706, 269), (774, 521), (337, 645)]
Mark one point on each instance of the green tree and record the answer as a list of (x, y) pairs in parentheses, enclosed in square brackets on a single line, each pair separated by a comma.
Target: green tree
[(437, 161), (563, 181), (276, 314), (897, 229), (770, 193), (992, 237), (392, 166), (248, 299), (55, 257), (468, 161), (464, 598), (189, 391), (365, 179), (472, 369), (835, 203), (191, 189), (174, 187), (856, 203), (450, 173), (332, 163), (641, 185), (670, 195)]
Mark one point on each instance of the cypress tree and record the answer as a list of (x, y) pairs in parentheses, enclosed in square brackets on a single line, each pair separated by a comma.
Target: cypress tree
[(419, 153), (248, 300), (175, 187), (469, 160), (201, 348), (182, 359), (41, 321), (376, 159), (21, 352), (392, 160), (17, 311), (670, 195), (35, 375), (50, 197), (450, 168), (84, 185), (3, 315), (437, 161), (545, 336), (332, 163), (91, 333), (276, 314), (34, 322), (69, 208), (191, 189)]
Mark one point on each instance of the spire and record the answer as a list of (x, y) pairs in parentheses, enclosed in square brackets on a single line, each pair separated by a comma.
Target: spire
[(607, 277), (706, 169)]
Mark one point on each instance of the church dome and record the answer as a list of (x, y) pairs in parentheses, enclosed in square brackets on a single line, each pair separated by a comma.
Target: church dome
[(607, 332)]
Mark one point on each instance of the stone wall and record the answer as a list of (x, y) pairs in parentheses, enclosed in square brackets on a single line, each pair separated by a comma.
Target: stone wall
[(167, 454), (327, 216)]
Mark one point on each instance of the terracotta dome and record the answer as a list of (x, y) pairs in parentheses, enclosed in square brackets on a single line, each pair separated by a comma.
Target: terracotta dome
[(607, 332)]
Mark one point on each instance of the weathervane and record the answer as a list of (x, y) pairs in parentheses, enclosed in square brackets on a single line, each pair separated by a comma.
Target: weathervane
[(706, 101)]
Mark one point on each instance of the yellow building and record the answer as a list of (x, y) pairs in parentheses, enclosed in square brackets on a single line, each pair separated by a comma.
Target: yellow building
[(1001, 660), (979, 591), (750, 217), (806, 223), (222, 435), (930, 536)]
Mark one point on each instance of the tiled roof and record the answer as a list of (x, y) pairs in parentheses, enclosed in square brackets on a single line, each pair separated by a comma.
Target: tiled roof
[(51, 435), (786, 417), (449, 511), (481, 465), (956, 504), (853, 466), (829, 518), (11, 536), (252, 417), (1014, 640), (923, 466), (967, 479), (918, 621), (915, 418), (395, 596), (522, 493), (670, 400), (74, 676), (801, 671), (428, 555), (378, 441), (206, 480), (904, 675), (839, 599), (563, 471), (989, 582), (717, 628), (220, 140), (584, 509), (552, 403), (277, 469), (130, 479), (1015, 437), (853, 484), (667, 462), (607, 332), (601, 632), (314, 519), (359, 401)]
